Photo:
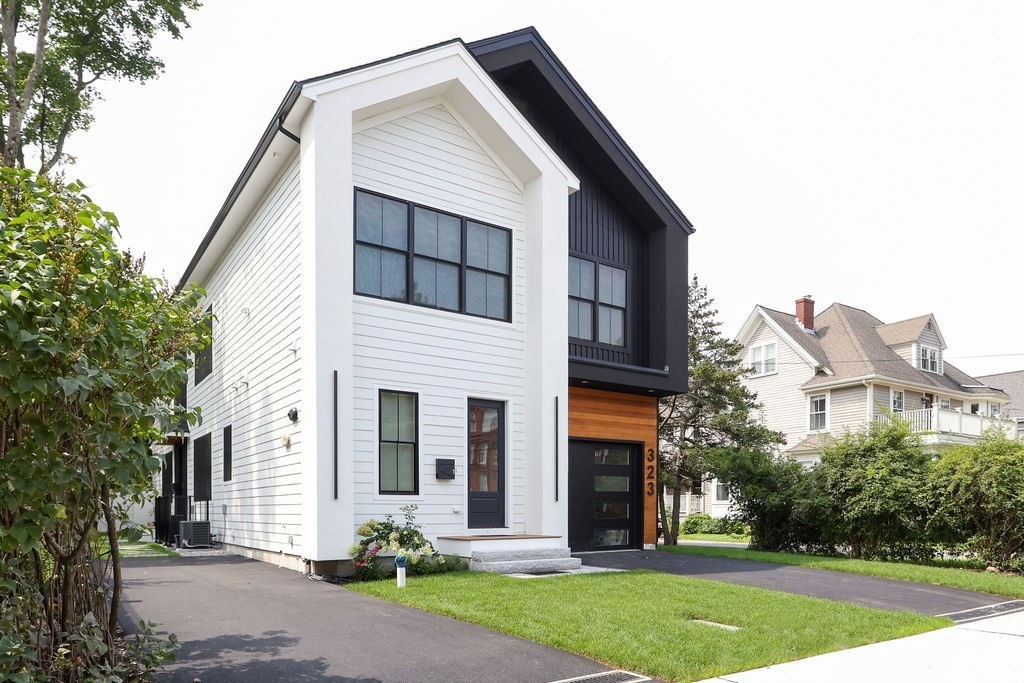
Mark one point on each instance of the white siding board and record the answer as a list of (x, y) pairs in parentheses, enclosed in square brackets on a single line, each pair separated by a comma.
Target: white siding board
[(261, 507), (785, 404), (429, 158), (847, 408)]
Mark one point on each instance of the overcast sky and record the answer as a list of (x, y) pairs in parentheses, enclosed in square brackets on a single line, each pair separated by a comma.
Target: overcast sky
[(870, 153)]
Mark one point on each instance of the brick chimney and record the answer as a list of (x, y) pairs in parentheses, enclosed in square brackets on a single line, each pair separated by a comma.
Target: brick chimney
[(805, 312)]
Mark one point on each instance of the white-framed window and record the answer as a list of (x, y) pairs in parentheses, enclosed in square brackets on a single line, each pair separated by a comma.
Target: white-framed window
[(994, 409), (945, 404), (764, 359), (818, 413), (897, 400), (928, 359), (721, 491), (975, 408)]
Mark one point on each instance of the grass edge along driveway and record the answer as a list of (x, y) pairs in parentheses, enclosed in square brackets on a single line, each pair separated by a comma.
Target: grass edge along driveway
[(968, 579), (642, 621)]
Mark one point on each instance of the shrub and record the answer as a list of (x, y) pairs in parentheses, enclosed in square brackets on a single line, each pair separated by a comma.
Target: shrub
[(701, 523), (765, 489), (978, 492), (873, 492), (390, 537)]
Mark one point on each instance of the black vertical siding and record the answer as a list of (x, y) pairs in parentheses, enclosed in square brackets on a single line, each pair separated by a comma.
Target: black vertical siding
[(602, 230)]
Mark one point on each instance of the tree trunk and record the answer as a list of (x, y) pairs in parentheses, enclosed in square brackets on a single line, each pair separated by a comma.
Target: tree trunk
[(115, 564), (672, 533)]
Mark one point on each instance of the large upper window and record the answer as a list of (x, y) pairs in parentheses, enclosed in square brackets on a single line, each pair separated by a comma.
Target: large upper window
[(398, 440), (764, 358), (405, 252), (818, 413), (928, 359), (597, 302)]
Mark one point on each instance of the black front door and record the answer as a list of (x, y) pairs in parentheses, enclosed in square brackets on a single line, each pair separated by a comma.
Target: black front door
[(604, 496), (486, 471)]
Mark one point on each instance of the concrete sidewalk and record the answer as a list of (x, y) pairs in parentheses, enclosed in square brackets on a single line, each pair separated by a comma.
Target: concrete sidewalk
[(984, 650)]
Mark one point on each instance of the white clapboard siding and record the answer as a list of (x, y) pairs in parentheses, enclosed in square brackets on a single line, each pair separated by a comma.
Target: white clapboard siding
[(847, 408), (785, 404), (255, 290), (430, 158), (906, 352)]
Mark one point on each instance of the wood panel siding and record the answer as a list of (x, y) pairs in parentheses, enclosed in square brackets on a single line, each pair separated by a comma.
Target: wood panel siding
[(612, 416), (429, 157)]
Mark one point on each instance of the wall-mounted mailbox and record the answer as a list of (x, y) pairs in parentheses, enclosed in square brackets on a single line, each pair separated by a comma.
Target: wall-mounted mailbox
[(445, 468)]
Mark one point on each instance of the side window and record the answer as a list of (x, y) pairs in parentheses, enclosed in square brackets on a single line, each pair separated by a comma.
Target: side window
[(398, 443), (201, 456), (227, 453), (602, 287), (204, 358), (818, 413), (897, 401)]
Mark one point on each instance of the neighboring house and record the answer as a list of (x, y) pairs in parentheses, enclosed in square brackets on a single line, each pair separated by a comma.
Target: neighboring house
[(442, 279), (1013, 384), (825, 375)]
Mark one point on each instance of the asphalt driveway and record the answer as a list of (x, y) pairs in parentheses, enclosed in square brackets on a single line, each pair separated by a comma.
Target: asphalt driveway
[(923, 598), (242, 620)]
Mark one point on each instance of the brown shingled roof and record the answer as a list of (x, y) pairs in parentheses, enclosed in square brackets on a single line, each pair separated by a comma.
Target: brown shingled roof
[(903, 331), (1013, 384)]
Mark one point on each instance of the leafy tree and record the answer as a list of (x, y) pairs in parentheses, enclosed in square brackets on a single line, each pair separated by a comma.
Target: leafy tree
[(92, 352), (978, 491), (770, 494), (873, 484), (718, 412), (48, 92)]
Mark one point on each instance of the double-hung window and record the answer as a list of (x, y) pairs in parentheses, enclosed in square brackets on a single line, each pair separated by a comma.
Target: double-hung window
[(818, 413), (764, 359), (597, 302), (721, 491), (928, 359), (897, 401), (417, 255), (398, 443)]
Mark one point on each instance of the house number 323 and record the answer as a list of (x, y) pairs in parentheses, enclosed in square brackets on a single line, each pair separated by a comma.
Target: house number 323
[(650, 473)]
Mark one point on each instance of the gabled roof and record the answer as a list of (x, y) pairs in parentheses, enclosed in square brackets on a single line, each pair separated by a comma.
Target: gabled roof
[(907, 331), (1013, 384), (847, 342), (525, 48)]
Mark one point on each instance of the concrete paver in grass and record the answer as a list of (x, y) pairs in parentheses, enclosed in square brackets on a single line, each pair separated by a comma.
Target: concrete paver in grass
[(923, 598)]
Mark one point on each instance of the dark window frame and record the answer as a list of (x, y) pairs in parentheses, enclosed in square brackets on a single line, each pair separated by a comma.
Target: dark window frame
[(202, 467), (227, 447), (596, 304), (204, 357), (410, 257), (415, 444)]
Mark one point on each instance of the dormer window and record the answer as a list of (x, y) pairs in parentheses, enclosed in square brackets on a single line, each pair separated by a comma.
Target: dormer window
[(928, 359), (764, 359)]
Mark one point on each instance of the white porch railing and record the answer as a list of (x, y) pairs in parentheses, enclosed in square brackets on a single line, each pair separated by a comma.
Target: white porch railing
[(946, 421)]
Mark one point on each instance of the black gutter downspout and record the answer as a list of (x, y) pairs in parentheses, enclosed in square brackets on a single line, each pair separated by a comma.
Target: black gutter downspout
[(284, 131)]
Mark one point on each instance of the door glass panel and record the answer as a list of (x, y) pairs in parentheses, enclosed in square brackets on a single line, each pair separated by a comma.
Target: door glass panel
[(608, 483), (613, 510), (603, 537), (611, 456), (483, 443)]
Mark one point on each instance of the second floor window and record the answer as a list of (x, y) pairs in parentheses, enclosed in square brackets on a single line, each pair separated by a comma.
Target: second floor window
[(597, 302), (764, 359), (928, 359), (410, 253), (818, 413), (204, 358)]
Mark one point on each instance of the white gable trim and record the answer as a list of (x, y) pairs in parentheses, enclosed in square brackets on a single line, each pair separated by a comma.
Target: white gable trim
[(750, 326)]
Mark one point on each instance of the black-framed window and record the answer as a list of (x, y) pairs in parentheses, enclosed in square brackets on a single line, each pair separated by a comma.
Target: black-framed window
[(227, 453), (418, 255), (597, 302), (204, 358), (398, 452), (203, 484)]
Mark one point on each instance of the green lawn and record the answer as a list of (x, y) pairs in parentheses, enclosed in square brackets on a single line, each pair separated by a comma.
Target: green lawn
[(641, 621), (137, 549), (719, 538), (998, 584)]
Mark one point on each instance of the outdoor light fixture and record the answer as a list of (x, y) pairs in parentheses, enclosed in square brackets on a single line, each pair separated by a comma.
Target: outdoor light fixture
[(293, 414)]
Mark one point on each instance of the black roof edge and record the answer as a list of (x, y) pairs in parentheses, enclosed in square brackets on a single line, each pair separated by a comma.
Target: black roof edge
[(530, 33), (272, 129)]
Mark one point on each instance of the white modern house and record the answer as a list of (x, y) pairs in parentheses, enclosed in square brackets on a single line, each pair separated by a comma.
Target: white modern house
[(393, 280)]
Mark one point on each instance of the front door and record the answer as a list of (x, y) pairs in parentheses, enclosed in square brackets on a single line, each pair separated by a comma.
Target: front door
[(605, 510), (486, 469)]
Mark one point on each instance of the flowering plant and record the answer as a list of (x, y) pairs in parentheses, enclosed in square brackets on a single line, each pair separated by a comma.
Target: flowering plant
[(392, 538)]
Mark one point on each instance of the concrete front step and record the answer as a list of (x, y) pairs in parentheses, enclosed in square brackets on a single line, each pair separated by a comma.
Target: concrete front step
[(521, 554), (526, 566)]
